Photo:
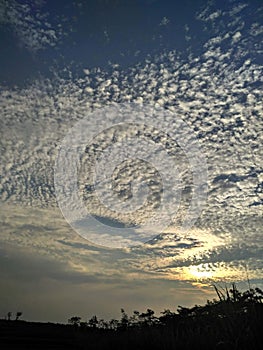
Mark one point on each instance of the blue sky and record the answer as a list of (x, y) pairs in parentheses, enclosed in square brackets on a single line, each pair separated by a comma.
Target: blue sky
[(194, 61)]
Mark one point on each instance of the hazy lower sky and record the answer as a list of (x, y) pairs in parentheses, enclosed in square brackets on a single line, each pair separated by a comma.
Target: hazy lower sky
[(161, 103)]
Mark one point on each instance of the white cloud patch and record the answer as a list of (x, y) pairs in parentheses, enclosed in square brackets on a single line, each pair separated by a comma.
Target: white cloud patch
[(30, 24), (236, 37), (164, 21)]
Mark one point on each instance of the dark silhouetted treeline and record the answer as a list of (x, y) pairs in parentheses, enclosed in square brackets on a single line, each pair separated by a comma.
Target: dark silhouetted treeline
[(233, 321)]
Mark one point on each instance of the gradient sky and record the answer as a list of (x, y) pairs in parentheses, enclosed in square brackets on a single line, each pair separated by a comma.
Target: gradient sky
[(63, 61)]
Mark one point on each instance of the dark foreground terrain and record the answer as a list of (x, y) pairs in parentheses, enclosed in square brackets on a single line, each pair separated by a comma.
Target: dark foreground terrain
[(235, 321)]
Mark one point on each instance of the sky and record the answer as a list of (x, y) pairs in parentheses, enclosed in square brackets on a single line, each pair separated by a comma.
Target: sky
[(131, 154)]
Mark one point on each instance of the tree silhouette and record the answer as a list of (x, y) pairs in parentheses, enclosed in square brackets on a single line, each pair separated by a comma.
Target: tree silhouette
[(93, 322), (75, 321), (113, 324), (147, 318), (124, 322), (18, 314)]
